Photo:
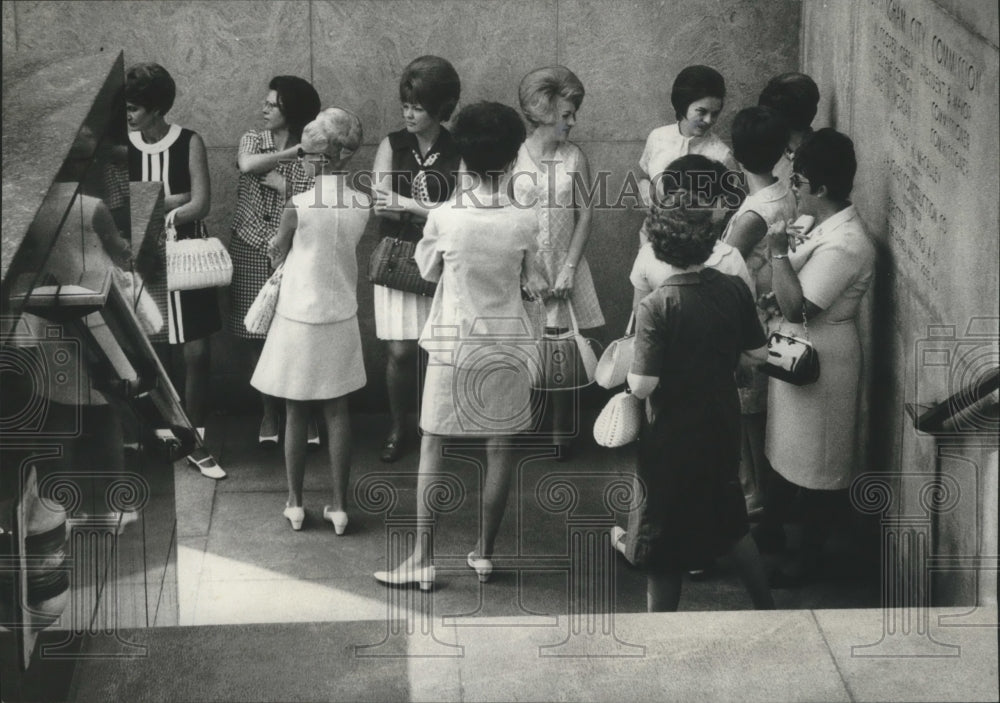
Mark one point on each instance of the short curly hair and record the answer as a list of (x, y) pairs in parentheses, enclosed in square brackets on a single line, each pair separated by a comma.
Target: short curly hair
[(540, 88), (488, 136), (151, 86), (680, 235), (433, 83), (694, 83)]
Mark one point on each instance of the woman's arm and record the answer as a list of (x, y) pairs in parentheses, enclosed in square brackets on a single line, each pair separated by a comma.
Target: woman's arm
[(262, 163), (746, 233), (784, 281), (583, 213), (388, 203), (277, 248), (198, 202)]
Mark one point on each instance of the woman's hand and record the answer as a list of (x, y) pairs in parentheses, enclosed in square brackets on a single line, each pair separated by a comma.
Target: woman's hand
[(274, 181), (385, 200), (783, 237), (564, 283), (276, 252)]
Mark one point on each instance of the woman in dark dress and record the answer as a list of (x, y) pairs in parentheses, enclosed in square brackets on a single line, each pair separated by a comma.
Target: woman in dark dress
[(414, 170), (690, 334)]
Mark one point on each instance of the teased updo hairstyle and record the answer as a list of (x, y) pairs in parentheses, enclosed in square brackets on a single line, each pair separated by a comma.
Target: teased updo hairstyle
[(151, 86), (341, 131), (694, 83), (827, 158), (298, 102), (540, 88), (795, 96), (488, 136), (432, 83), (694, 179), (760, 136)]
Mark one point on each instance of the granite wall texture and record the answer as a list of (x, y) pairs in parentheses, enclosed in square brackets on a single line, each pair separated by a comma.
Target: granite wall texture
[(915, 85), (626, 53)]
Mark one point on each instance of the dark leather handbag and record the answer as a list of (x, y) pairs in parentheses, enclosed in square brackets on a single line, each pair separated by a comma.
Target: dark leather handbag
[(392, 265), (792, 359)]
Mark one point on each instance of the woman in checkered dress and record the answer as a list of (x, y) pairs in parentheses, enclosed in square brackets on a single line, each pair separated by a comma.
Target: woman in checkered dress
[(269, 176)]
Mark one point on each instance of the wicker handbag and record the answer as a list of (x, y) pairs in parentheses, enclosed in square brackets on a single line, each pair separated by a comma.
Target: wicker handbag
[(392, 265), (619, 421), (792, 359), (200, 262), (261, 312), (612, 369)]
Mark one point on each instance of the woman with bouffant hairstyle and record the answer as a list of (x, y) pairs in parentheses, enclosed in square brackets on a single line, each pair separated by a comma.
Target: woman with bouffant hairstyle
[(549, 172), (690, 333), (414, 170)]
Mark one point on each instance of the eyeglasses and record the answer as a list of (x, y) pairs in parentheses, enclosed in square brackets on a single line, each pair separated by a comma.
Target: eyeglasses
[(797, 180), (268, 105)]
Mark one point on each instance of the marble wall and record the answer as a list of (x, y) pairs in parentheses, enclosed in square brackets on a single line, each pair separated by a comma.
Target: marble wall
[(626, 53), (915, 85)]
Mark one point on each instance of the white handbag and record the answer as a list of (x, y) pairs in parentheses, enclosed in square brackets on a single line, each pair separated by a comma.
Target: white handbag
[(619, 421), (568, 359), (199, 262), (261, 312), (613, 368)]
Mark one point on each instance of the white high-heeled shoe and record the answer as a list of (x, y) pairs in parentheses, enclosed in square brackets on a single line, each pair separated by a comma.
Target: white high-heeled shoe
[(337, 517), (296, 515), (618, 539), (404, 575), (482, 566)]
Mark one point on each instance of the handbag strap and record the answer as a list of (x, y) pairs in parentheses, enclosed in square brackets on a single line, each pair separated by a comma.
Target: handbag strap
[(171, 228), (572, 316), (630, 326), (805, 322)]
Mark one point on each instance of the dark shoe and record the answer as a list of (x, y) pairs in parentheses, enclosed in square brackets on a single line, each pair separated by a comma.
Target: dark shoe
[(793, 576), (392, 449), (769, 541)]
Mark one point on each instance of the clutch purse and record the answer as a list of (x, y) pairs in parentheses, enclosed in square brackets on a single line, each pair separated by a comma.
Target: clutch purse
[(199, 262), (261, 312), (392, 265), (568, 359), (612, 369), (619, 421), (792, 359)]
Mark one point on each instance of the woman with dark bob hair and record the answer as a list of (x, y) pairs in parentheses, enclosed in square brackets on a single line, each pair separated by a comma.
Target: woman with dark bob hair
[(269, 176), (697, 97), (174, 155), (690, 334), (819, 286), (481, 250), (414, 170), (794, 96)]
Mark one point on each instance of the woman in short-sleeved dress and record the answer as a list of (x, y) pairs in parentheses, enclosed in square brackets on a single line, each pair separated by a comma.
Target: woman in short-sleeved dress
[(690, 333), (415, 169), (548, 171), (269, 176), (812, 430)]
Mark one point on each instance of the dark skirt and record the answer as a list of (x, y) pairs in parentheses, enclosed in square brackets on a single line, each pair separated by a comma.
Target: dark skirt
[(689, 466)]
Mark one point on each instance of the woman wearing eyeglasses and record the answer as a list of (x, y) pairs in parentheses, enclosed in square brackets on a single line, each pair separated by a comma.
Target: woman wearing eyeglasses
[(269, 176), (819, 278)]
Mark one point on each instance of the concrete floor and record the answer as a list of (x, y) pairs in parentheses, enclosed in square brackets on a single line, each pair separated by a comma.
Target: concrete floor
[(239, 562), (269, 614)]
